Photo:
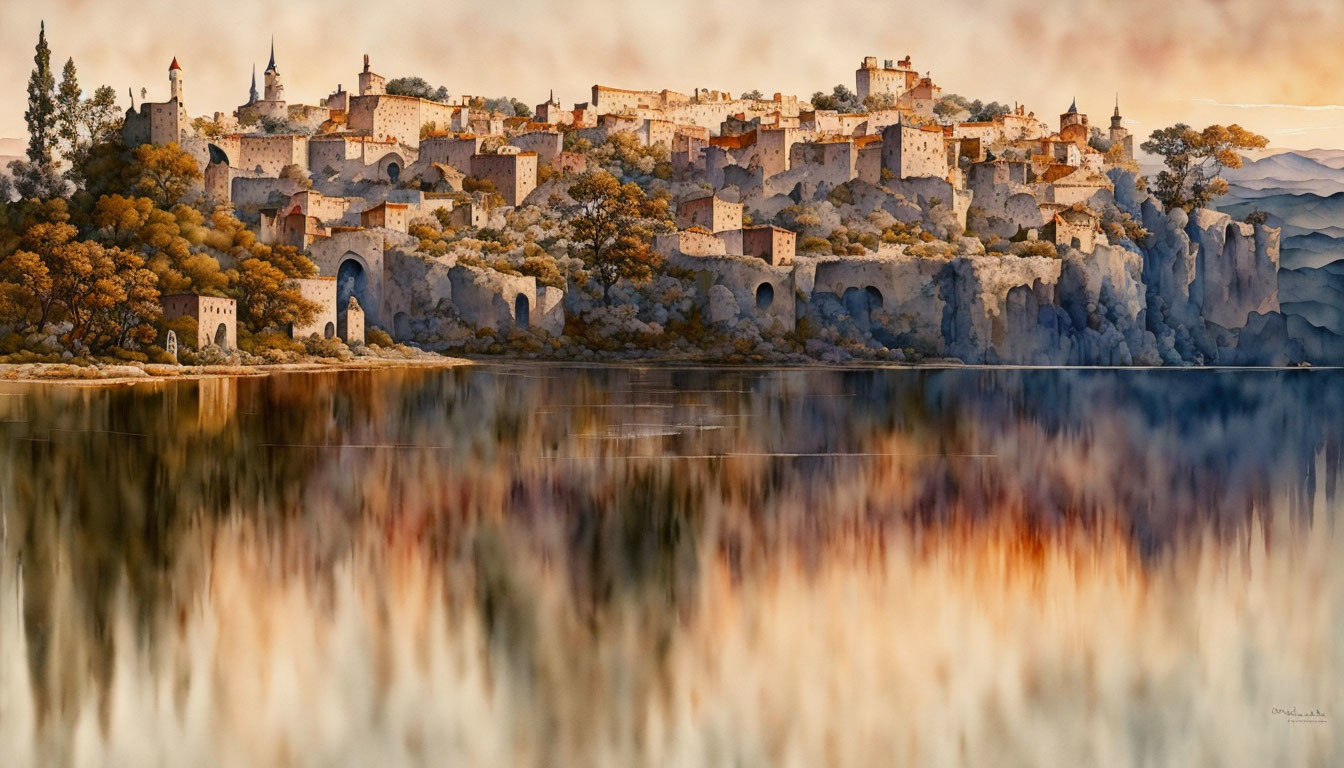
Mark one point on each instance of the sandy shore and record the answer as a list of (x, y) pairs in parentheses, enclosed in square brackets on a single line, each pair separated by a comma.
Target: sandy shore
[(130, 373)]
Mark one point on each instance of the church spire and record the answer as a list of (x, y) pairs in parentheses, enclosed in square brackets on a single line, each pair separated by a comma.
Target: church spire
[(271, 66), (252, 92)]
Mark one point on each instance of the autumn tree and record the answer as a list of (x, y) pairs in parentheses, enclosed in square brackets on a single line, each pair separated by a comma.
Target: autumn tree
[(1195, 161), (47, 275), (268, 298), (611, 225), (164, 173), (171, 242)]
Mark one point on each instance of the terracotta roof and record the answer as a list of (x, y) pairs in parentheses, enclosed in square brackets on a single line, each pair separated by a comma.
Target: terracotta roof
[(174, 65)]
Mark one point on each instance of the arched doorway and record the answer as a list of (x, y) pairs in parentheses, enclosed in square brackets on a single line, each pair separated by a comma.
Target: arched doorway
[(222, 336), (874, 297), (860, 303), (393, 172), (522, 311), (765, 296), (329, 331), (351, 280)]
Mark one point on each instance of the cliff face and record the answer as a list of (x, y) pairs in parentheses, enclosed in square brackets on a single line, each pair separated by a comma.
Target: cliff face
[(1236, 268)]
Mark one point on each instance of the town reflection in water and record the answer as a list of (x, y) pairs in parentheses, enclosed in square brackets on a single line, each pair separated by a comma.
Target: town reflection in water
[(509, 565)]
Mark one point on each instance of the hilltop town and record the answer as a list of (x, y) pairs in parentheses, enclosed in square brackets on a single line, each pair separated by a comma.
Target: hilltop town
[(888, 222)]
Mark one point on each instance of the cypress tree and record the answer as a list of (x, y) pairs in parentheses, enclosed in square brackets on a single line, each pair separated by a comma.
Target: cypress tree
[(41, 104), (69, 108)]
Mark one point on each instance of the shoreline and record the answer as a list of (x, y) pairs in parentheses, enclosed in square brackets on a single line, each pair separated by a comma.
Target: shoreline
[(138, 373), (99, 375)]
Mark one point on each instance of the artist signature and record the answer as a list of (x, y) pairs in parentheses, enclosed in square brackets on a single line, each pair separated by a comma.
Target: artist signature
[(1295, 715)]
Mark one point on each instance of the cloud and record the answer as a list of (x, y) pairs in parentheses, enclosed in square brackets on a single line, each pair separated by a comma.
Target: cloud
[(1302, 107)]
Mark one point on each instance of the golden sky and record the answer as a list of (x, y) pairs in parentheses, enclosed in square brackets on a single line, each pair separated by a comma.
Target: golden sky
[(1271, 65)]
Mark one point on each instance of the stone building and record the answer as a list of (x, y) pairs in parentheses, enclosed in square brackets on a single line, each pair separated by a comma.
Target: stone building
[(514, 174), (394, 216), (1077, 227), (385, 116), (546, 144), (162, 122), (267, 155), (370, 83), (321, 291), (893, 79), (454, 150), (343, 152), (773, 245), (216, 318), (909, 151), (711, 212)]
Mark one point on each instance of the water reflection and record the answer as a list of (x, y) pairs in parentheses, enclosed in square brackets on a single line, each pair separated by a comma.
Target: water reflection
[(616, 566)]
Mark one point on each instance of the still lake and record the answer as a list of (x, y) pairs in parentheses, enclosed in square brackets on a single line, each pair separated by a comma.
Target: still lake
[(611, 566)]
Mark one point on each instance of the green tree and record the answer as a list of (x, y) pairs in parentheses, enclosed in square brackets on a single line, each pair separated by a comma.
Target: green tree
[(1195, 161), (40, 115), (611, 225), (416, 86), (102, 116), (69, 109)]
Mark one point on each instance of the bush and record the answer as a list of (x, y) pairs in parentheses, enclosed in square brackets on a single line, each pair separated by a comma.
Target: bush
[(11, 343), (544, 269), (377, 337), (819, 244), (260, 343), (329, 348), (185, 328), (1038, 248)]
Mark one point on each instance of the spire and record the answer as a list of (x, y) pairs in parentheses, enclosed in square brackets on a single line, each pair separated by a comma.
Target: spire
[(1117, 104), (1073, 108), (174, 65), (271, 66), (252, 92)]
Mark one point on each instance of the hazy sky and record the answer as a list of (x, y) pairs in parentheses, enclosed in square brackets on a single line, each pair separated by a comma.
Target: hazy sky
[(1273, 65)]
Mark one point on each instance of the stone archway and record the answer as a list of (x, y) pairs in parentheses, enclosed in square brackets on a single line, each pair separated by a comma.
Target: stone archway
[(860, 303), (522, 311), (352, 279), (874, 297), (329, 331), (765, 296), (222, 336)]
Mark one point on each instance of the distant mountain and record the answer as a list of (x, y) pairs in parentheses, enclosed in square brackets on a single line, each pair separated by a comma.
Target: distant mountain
[(1255, 189), (10, 150), (1299, 213), (1315, 294), (1288, 166)]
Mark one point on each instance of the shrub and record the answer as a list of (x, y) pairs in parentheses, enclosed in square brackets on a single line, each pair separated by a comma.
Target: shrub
[(819, 244), (329, 348), (377, 337)]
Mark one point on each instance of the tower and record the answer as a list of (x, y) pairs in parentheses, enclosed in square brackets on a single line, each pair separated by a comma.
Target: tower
[(1073, 117), (371, 83), (175, 82), (1073, 126), (275, 89), (1119, 134)]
